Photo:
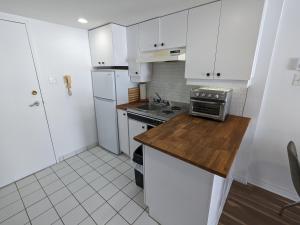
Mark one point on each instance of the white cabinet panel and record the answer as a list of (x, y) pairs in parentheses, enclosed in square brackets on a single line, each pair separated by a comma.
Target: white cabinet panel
[(239, 27), (108, 46), (123, 131), (149, 35), (135, 128), (173, 30), (202, 41), (139, 72), (101, 46)]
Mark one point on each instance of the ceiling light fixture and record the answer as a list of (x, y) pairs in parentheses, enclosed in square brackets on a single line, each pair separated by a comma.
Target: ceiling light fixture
[(82, 20)]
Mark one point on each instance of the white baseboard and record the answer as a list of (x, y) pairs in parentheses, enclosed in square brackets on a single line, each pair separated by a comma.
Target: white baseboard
[(274, 188), (75, 152)]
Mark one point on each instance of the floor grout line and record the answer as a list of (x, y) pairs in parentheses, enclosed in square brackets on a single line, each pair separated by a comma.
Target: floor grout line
[(23, 205), (110, 182), (120, 190), (71, 163), (78, 200), (50, 203)]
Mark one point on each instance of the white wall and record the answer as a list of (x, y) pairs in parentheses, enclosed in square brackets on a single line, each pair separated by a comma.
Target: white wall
[(264, 51), (279, 120), (64, 50)]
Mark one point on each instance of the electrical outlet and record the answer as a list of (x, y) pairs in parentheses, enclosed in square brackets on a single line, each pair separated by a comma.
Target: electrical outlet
[(296, 79)]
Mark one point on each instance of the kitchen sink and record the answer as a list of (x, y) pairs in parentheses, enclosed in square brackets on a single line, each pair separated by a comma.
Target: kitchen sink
[(149, 107)]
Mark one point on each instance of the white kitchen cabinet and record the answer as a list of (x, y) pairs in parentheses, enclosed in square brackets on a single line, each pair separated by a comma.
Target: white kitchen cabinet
[(239, 27), (108, 46), (135, 128), (173, 29), (123, 131), (221, 40), (166, 32), (202, 40), (149, 35), (139, 72)]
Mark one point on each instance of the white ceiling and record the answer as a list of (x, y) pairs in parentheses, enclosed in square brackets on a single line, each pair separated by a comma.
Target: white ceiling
[(97, 12)]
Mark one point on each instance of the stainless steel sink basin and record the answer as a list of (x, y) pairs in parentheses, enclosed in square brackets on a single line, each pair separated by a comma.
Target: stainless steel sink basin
[(149, 107)]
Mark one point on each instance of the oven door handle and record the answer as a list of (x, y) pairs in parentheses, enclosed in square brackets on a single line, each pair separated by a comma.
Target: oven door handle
[(208, 102)]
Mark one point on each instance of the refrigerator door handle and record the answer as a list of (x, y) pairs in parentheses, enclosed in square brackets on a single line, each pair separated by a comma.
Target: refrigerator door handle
[(104, 99)]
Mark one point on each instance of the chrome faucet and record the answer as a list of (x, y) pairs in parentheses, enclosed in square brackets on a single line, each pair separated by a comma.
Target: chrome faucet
[(158, 97)]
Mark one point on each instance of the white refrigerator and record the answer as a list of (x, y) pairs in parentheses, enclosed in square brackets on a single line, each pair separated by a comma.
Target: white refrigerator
[(110, 89)]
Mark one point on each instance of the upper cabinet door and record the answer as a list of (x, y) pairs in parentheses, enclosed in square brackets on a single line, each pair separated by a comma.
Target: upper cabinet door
[(132, 42), (240, 22), (101, 46), (149, 35), (202, 35), (173, 29)]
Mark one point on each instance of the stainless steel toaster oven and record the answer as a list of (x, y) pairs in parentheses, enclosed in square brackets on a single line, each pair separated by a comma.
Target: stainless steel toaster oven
[(209, 102)]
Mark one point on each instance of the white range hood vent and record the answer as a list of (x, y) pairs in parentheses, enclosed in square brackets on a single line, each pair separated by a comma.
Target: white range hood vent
[(177, 54)]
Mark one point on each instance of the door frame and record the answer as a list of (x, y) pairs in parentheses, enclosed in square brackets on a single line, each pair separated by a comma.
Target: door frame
[(26, 21)]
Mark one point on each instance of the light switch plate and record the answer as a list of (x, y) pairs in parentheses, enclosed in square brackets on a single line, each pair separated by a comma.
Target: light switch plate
[(52, 80)]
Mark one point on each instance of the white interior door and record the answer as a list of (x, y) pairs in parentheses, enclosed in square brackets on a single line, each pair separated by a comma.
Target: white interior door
[(25, 144)]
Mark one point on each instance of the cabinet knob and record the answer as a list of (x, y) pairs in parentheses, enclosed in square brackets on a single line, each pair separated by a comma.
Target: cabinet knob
[(136, 72), (162, 44), (124, 114), (143, 127), (155, 45), (102, 62), (99, 62), (208, 74), (218, 74)]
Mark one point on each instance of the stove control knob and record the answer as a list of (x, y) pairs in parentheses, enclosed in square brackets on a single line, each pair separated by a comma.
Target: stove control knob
[(203, 95), (217, 96), (209, 95), (197, 94)]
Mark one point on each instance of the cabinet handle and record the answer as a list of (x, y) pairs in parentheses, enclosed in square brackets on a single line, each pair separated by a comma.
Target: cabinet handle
[(162, 44), (208, 74), (218, 74), (136, 73), (155, 45)]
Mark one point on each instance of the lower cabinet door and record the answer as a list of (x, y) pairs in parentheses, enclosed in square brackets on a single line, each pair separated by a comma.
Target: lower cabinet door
[(135, 128)]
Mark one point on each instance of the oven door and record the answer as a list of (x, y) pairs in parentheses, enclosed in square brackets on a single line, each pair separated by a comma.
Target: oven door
[(209, 109)]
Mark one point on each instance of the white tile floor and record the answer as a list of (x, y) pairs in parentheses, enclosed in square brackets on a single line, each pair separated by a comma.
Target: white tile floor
[(93, 187)]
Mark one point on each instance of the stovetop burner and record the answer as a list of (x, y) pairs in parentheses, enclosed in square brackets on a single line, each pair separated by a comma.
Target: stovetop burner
[(176, 108)]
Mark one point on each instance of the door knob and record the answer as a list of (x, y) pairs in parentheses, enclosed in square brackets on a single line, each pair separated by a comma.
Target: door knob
[(37, 103)]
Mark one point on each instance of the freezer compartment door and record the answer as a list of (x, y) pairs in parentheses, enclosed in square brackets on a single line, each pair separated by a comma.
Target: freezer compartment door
[(104, 84), (106, 115)]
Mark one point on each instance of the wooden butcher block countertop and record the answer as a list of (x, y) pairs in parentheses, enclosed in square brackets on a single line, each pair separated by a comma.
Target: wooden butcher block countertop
[(132, 104), (207, 144)]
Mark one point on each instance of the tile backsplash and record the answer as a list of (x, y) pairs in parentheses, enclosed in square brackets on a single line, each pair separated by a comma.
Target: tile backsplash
[(168, 80)]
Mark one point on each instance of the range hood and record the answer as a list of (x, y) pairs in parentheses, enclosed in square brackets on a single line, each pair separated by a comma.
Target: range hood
[(167, 55)]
